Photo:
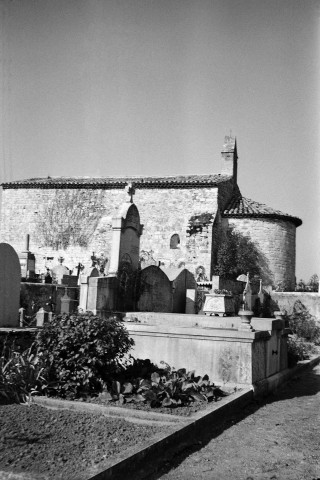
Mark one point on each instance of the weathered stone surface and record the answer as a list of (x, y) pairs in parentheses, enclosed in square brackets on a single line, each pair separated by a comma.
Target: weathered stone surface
[(164, 290), (10, 277), (163, 211), (276, 239)]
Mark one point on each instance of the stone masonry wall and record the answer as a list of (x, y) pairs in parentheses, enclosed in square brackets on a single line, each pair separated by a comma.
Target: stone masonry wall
[(188, 212), (276, 239)]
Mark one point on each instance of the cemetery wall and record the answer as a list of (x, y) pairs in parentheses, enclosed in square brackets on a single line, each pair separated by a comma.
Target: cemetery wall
[(286, 300), (276, 240), (188, 212)]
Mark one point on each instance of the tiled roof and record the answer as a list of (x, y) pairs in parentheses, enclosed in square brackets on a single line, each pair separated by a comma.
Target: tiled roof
[(178, 181), (244, 207)]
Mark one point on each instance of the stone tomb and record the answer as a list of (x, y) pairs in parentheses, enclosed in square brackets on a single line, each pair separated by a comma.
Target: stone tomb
[(10, 278)]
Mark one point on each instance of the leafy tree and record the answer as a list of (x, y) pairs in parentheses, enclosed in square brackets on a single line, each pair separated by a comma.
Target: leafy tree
[(70, 218), (314, 283), (237, 254), (311, 286)]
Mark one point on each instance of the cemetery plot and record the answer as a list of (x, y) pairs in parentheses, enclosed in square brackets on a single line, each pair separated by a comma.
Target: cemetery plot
[(63, 444)]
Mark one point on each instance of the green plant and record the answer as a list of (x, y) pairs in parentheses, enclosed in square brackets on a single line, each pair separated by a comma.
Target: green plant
[(299, 349), (303, 324), (20, 375), (80, 352), (237, 254), (161, 387), (70, 218)]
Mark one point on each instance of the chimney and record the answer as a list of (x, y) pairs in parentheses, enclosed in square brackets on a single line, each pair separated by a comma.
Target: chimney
[(229, 158)]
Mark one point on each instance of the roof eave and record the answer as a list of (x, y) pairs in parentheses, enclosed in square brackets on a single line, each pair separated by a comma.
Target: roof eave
[(295, 220)]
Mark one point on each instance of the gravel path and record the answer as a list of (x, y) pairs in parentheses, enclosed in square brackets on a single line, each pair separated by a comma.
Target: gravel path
[(49, 444), (277, 440)]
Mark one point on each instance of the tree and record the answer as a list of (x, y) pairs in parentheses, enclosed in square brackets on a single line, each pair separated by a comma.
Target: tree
[(237, 254), (71, 218), (314, 283)]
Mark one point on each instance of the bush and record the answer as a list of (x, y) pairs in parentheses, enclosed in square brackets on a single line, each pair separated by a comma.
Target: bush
[(20, 376), (305, 334), (299, 349), (303, 324), (80, 352)]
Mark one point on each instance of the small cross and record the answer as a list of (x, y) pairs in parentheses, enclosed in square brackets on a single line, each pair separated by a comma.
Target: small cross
[(130, 191)]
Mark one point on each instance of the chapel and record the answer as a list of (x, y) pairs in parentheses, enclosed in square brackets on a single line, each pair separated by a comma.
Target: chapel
[(184, 217)]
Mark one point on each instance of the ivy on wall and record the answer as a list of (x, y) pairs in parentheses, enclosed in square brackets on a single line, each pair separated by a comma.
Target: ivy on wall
[(70, 218)]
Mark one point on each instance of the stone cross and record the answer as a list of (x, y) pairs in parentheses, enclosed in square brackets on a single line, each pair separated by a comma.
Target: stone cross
[(130, 191)]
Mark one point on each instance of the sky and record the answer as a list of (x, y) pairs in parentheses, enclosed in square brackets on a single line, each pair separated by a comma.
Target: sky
[(151, 87)]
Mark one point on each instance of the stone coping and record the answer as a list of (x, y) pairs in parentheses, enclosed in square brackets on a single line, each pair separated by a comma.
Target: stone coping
[(139, 460), (203, 333), (131, 415), (203, 321), (18, 329)]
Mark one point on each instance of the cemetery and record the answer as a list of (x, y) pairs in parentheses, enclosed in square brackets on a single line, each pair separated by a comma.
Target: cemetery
[(154, 352), (139, 355)]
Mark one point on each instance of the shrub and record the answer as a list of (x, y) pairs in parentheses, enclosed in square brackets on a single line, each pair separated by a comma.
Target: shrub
[(299, 349), (20, 375), (305, 334), (80, 352), (303, 324)]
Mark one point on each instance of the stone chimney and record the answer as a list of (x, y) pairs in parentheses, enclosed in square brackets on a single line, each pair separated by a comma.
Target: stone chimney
[(229, 158)]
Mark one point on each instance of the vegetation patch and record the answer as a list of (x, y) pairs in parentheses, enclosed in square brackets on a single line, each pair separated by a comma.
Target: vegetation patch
[(305, 337), (143, 383), (80, 352)]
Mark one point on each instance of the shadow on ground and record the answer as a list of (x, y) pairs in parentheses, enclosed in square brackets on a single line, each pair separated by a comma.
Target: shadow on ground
[(305, 384)]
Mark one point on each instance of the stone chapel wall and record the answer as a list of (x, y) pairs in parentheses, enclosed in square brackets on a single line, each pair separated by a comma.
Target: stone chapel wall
[(188, 212), (276, 239)]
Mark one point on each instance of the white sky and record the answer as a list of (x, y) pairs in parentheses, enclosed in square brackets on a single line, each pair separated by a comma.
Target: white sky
[(124, 87)]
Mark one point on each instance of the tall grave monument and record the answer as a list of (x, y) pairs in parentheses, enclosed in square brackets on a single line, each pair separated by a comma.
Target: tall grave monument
[(125, 252), (117, 291)]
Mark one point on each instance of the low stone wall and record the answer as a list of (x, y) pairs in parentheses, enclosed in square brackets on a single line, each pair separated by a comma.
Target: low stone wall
[(211, 345), (286, 300)]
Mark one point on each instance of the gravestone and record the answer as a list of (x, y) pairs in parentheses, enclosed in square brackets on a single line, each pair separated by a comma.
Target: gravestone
[(10, 278), (84, 286), (164, 289)]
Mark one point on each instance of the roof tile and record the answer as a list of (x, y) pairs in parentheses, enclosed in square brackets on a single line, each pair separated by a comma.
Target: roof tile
[(119, 182), (240, 206)]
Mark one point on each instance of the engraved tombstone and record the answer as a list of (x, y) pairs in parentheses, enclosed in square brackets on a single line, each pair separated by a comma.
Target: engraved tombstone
[(10, 277)]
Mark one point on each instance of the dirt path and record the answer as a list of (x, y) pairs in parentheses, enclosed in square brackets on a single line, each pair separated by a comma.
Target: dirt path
[(276, 440)]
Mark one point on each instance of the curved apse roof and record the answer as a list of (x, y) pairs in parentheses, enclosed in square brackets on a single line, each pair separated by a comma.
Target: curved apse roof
[(241, 207)]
